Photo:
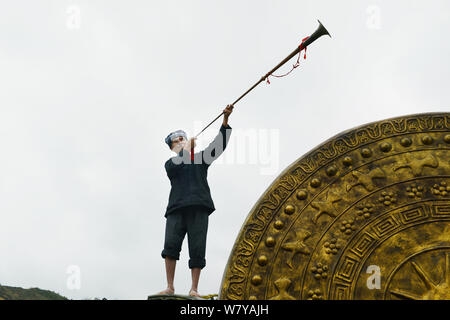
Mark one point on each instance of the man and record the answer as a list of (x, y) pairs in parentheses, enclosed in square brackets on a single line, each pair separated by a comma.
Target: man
[(190, 202)]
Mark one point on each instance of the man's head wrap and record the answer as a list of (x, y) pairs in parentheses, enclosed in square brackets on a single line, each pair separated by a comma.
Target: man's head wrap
[(173, 135)]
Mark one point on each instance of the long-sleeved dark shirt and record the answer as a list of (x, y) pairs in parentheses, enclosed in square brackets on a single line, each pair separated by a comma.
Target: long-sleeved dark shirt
[(189, 180)]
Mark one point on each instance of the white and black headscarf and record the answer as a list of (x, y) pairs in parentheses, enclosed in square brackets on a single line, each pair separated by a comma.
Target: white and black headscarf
[(173, 135)]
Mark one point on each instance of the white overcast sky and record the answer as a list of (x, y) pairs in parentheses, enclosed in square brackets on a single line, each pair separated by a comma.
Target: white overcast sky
[(90, 89)]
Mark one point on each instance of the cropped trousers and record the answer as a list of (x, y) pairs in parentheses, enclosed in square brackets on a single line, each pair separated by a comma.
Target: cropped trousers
[(192, 220)]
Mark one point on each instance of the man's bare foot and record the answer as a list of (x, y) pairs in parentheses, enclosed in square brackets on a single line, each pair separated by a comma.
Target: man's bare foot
[(194, 293), (167, 291)]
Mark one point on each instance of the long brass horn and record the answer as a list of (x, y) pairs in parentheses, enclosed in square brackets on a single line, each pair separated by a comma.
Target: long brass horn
[(321, 31)]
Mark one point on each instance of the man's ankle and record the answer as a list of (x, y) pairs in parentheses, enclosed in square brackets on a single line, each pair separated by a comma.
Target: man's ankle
[(194, 293), (167, 291)]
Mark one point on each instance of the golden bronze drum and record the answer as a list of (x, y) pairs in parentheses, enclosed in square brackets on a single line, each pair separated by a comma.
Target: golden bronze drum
[(365, 215)]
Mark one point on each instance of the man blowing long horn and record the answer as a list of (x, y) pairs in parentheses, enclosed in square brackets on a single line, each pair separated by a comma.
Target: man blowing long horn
[(190, 202)]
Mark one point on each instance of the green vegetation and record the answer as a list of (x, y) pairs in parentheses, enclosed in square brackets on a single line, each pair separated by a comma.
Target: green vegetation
[(16, 293)]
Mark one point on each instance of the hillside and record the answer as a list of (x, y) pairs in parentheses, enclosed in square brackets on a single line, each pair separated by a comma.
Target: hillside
[(16, 293)]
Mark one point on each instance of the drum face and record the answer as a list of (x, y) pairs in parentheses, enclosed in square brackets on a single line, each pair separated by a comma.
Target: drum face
[(365, 215)]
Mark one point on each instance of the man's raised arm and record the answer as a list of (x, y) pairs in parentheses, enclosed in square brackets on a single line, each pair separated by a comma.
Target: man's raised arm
[(218, 145)]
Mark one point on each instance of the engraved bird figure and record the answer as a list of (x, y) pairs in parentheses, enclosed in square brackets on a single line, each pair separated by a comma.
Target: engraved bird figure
[(366, 179), (326, 206), (297, 246), (415, 164)]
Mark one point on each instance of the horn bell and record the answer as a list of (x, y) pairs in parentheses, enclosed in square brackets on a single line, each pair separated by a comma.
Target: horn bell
[(321, 31)]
